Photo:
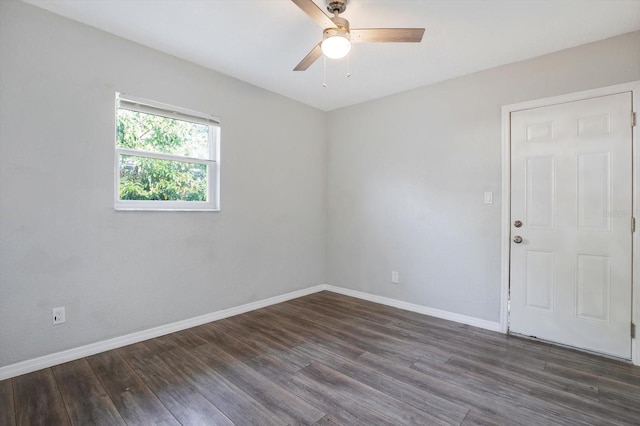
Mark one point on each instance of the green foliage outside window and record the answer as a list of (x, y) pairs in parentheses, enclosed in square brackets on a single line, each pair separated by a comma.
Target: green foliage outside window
[(143, 178)]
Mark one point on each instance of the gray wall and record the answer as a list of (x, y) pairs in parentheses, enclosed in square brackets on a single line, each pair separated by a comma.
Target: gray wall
[(400, 188), (407, 173), (61, 242)]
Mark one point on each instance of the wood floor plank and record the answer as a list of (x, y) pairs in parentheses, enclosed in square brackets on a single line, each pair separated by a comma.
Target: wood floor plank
[(327, 420), (512, 341), (261, 321), (441, 408), (7, 414), (525, 372), (161, 344), (186, 339), (183, 400), (382, 338), (475, 418), (84, 396), (365, 340), (242, 347), (266, 325), (345, 387), (237, 405), (276, 369), (274, 397), (214, 334), (387, 313), (614, 371), (38, 400), (345, 348), (510, 392), (135, 402), (347, 411), (449, 387), (587, 375), (622, 399), (538, 388), (445, 342), (264, 343), (603, 365), (415, 346), (341, 310), (610, 392)]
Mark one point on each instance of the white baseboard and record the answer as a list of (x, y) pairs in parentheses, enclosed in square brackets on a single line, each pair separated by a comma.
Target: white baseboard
[(46, 361), (425, 310)]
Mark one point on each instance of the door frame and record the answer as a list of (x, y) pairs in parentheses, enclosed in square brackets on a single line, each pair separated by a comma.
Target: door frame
[(634, 88)]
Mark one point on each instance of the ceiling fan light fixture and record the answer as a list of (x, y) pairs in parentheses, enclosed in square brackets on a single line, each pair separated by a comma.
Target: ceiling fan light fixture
[(336, 47), (336, 43), (336, 40)]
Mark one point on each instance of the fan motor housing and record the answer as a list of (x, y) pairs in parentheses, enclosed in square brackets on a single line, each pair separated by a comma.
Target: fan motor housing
[(341, 23), (342, 32), (339, 6)]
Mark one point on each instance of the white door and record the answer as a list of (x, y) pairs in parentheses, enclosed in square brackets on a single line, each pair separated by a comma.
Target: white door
[(571, 175)]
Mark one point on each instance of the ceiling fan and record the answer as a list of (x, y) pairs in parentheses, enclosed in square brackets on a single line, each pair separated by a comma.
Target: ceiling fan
[(337, 36)]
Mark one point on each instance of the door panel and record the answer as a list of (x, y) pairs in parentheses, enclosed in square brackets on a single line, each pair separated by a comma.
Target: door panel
[(593, 287), (594, 191), (571, 175), (539, 280), (540, 192)]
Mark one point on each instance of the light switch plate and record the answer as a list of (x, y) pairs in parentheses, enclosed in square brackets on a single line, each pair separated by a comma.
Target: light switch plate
[(488, 197)]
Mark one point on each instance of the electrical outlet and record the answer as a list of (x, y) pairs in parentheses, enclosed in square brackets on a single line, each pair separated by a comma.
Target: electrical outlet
[(395, 277), (58, 315)]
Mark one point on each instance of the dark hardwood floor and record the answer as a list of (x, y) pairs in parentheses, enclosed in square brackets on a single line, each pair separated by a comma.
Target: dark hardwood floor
[(329, 359)]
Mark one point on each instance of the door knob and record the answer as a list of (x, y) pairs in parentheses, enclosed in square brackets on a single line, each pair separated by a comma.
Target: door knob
[(517, 239)]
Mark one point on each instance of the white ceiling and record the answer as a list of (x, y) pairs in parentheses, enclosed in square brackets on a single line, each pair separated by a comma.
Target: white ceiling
[(260, 41)]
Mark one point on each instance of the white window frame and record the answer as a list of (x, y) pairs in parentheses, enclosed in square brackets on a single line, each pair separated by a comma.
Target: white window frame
[(132, 103)]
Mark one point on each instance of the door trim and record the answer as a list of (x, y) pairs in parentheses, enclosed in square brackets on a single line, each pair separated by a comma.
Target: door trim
[(634, 88)]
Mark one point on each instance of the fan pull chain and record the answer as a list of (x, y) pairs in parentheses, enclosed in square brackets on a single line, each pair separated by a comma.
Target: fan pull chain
[(324, 71), (348, 67)]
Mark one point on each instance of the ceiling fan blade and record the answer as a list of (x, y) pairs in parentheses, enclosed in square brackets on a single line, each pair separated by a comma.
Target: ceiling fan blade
[(311, 57), (315, 13), (388, 35)]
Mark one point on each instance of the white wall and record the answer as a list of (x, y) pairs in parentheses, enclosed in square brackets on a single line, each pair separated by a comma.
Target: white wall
[(61, 242), (407, 173)]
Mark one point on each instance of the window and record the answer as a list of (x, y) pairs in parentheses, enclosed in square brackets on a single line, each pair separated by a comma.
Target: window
[(167, 158)]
